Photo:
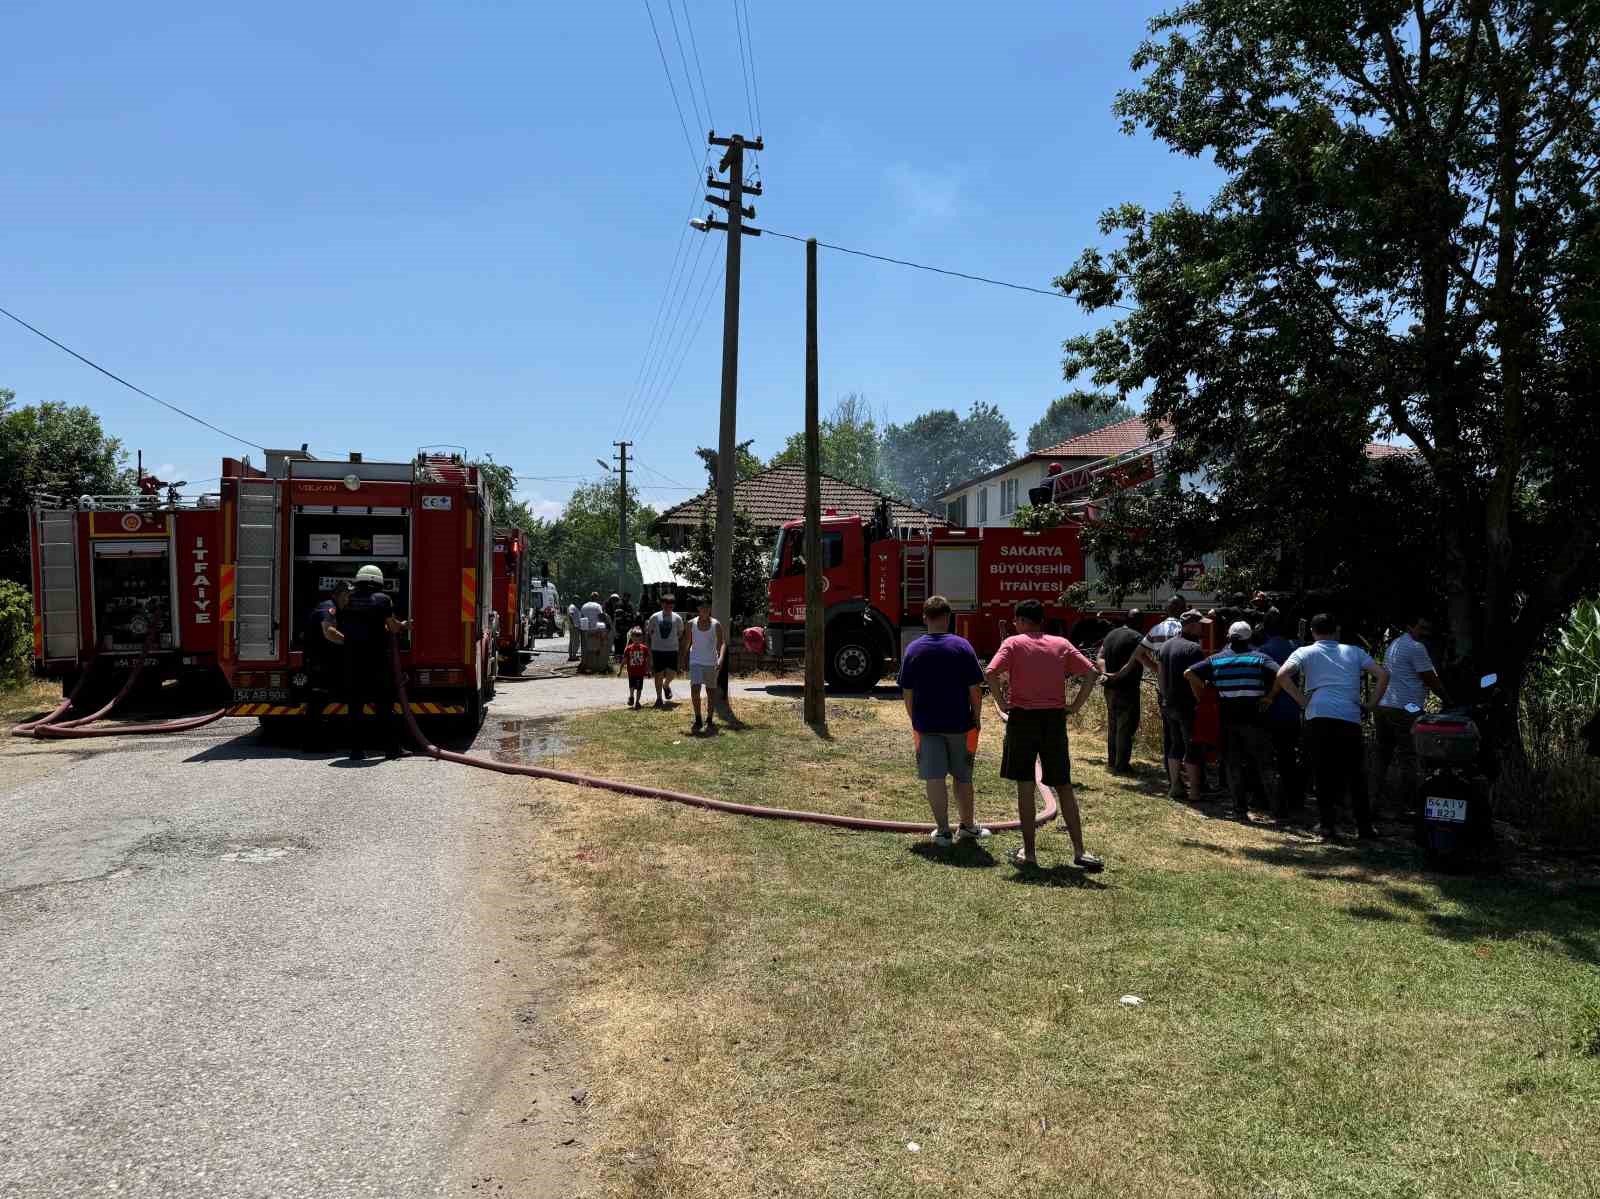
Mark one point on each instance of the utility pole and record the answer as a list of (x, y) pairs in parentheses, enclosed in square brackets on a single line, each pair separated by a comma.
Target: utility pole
[(727, 451), (622, 515), (816, 711)]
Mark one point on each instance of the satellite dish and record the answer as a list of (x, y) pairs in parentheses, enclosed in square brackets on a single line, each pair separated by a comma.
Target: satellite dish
[(352, 482)]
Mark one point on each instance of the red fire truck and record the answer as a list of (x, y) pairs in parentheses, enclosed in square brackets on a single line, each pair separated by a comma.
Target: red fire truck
[(123, 578), (290, 532), (514, 597), (874, 585)]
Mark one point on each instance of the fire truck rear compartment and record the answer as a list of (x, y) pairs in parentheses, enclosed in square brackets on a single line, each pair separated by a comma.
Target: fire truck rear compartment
[(330, 546), (132, 595)]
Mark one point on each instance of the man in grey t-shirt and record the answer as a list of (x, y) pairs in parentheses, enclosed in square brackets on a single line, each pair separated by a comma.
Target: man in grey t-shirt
[(1411, 677)]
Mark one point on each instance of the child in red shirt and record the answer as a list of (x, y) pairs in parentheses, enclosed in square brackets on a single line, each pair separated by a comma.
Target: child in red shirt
[(636, 657)]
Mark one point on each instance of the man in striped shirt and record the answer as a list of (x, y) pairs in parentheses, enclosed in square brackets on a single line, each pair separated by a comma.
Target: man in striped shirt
[(1242, 677)]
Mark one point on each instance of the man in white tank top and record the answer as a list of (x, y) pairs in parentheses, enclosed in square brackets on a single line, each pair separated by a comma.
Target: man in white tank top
[(707, 642)]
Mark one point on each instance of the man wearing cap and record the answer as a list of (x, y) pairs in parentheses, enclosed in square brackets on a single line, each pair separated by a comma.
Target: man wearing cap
[(1242, 676), (1179, 704), (364, 628)]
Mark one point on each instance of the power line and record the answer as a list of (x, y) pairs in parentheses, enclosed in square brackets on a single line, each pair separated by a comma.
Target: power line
[(655, 327), (659, 475), (688, 79), (680, 308), (673, 87), (707, 291), (755, 82), (922, 266), (118, 378), (705, 94), (738, 29)]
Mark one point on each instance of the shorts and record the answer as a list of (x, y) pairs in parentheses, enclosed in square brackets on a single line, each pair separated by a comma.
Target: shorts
[(940, 754), (1178, 724), (663, 661), (635, 681), (1036, 734), (702, 674)]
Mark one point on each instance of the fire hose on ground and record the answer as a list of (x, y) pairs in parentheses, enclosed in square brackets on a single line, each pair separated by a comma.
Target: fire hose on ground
[(52, 727), (639, 791)]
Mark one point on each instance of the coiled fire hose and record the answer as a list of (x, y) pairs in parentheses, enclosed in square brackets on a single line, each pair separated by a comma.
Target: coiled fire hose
[(679, 797)]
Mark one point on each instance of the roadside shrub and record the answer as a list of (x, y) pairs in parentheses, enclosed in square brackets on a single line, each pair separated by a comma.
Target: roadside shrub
[(16, 631), (1557, 791)]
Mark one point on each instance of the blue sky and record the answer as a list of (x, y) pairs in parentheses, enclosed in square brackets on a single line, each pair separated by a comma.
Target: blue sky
[(377, 227)]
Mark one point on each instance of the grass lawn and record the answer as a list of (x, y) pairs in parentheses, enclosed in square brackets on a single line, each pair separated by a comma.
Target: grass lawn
[(780, 1009), (27, 698)]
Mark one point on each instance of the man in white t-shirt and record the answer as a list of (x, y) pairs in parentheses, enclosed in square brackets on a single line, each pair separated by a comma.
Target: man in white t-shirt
[(574, 633), (665, 633), (1411, 677), (706, 641), (1331, 676)]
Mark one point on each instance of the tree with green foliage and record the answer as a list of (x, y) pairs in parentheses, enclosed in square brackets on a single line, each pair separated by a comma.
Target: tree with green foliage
[(851, 444), (583, 541), (751, 559), (939, 449), (1405, 243), (746, 463), (56, 449), (1073, 414)]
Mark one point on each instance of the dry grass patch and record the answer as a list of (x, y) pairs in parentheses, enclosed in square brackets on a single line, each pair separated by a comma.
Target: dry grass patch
[(780, 1009), (26, 699)]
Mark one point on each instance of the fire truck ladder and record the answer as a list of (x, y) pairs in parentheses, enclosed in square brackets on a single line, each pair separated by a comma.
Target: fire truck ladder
[(1073, 485), (256, 577), (58, 578), (914, 578)]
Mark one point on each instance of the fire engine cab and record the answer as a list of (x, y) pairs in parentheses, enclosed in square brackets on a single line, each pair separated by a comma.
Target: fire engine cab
[(875, 582)]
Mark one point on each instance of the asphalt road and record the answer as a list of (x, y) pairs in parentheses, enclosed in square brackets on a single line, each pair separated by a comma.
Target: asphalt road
[(234, 969)]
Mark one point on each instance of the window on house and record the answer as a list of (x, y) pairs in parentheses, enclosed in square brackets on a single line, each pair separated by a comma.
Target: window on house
[(983, 505), (955, 511), (1008, 497)]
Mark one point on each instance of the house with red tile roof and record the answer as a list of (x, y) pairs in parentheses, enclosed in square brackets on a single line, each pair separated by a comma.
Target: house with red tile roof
[(778, 494), (990, 499)]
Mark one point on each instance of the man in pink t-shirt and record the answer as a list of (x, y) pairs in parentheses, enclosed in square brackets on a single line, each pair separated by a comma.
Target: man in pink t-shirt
[(1038, 666)]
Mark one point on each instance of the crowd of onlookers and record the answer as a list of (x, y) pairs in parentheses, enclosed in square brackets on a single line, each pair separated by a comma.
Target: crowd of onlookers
[(659, 648), (1270, 715)]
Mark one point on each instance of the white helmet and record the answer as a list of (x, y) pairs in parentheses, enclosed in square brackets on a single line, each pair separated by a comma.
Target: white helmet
[(370, 574)]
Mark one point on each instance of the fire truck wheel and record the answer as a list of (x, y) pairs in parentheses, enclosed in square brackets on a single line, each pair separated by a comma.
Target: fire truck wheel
[(855, 663)]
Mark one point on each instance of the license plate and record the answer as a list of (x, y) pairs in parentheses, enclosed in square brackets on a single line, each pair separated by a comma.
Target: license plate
[(244, 695), (1450, 811)]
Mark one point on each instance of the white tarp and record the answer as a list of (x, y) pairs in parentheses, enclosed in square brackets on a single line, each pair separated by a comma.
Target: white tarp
[(657, 566)]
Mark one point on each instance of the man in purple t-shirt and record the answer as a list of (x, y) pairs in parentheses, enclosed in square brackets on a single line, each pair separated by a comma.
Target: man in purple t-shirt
[(942, 684)]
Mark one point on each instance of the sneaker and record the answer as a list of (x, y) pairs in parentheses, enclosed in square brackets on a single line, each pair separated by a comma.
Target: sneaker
[(940, 837), (697, 727), (1088, 863), (711, 725), (660, 703), (971, 832), (668, 690), (1021, 860)]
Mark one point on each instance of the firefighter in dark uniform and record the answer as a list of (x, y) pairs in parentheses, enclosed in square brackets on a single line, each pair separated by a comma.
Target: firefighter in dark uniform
[(365, 626), (324, 660)]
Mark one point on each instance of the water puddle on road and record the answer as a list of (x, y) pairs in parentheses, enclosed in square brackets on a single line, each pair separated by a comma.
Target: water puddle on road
[(532, 741)]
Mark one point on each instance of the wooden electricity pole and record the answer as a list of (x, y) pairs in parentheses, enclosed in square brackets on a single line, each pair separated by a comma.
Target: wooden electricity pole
[(727, 448), (816, 711), (622, 515)]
